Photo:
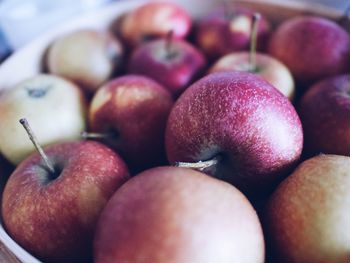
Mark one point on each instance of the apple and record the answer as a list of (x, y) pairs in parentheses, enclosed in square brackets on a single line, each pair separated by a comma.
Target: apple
[(154, 20), (239, 128), (307, 218), (173, 63), (177, 215), (325, 115), (40, 100), (312, 47), (224, 31), (87, 57), (51, 202), (133, 110)]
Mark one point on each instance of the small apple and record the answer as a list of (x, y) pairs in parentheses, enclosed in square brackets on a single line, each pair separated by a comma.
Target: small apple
[(154, 20), (86, 57), (312, 47), (54, 106), (269, 68), (224, 31), (307, 219), (133, 110), (325, 115), (52, 201), (178, 215), (238, 128), (173, 63)]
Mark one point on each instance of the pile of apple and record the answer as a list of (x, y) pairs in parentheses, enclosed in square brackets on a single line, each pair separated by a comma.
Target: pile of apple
[(155, 149)]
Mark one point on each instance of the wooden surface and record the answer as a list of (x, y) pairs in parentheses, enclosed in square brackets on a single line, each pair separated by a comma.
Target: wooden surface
[(28, 61)]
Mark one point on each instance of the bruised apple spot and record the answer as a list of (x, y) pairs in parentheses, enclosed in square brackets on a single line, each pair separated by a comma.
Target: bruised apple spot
[(240, 24), (101, 97), (128, 95)]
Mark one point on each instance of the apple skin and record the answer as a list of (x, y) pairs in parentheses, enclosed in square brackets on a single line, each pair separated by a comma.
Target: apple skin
[(55, 219), (313, 48), (86, 57), (307, 217), (53, 119), (175, 71), (243, 120), (154, 20), (269, 68), (136, 109), (325, 115), (218, 34), (178, 215)]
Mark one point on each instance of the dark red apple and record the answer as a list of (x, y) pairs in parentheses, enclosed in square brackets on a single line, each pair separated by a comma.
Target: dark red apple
[(173, 63), (178, 215), (248, 131), (154, 20), (325, 115), (224, 31), (53, 215), (312, 47), (307, 218), (134, 110)]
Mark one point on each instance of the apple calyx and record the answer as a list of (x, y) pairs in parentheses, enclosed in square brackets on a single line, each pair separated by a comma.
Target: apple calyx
[(37, 146), (169, 47), (201, 165), (253, 42)]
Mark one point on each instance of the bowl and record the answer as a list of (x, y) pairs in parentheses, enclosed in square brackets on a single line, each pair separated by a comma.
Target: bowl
[(27, 61)]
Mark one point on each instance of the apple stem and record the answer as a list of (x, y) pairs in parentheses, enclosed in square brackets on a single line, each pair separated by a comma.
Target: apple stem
[(345, 16), (169, 43), (34, 140), (253, 41), (96, 135), (201, 165)]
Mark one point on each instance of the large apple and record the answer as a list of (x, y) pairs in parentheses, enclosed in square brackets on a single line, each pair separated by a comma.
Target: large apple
[(325, 114), (312, 47), (39, 99), (223, 31), (133, 110), (269, 68), (178, 215), (247, 131), (308, 217), (154, 20), (53, 214), (173, 63), (86, 57)]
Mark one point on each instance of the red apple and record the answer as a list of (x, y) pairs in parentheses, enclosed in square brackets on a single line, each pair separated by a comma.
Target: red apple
[(173, 63), (87, 57), (53, 215), (178, 215), (312, 47), (269, 68), (308, 217), (154, 20), (224, 31), (134, 109), (248, 131), (325, 114)]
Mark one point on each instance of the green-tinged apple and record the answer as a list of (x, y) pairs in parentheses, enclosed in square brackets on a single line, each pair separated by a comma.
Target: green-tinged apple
[(130, 113), (54, 106), (154, 20), (173, 63), (312, 48), (178, 215), (239, 128), (307, 218), (325, 115), (51, 203), (86, 57)]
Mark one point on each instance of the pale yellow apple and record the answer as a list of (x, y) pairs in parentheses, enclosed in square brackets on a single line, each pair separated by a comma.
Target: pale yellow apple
[(55, 109)]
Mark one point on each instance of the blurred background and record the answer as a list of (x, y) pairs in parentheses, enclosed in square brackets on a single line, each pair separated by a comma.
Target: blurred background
[(23, 20)]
